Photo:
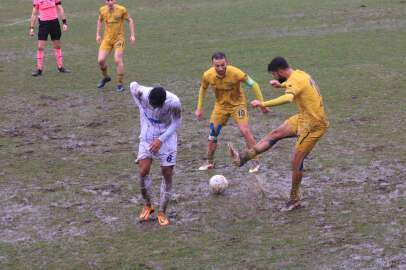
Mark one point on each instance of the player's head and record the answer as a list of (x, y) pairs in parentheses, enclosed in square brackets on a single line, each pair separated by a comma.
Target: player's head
[(279, 67), (157, 97), (219, 62), (110, 2)]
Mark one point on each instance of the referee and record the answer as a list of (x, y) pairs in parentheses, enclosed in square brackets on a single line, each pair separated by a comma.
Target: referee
[(48, 25)]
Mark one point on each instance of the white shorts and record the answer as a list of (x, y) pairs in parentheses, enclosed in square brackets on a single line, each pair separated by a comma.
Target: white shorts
[(166, 154)]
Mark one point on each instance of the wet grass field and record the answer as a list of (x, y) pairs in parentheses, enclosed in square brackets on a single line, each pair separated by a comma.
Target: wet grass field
[(69, 190)]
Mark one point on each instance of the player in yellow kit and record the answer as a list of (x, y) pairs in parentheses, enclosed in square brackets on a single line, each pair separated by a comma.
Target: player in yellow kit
[(225, 80), (308, 126), (113, 16)]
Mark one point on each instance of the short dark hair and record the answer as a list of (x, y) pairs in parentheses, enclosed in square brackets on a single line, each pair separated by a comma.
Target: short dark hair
[(277, 63), (218, 55), (157, 96)]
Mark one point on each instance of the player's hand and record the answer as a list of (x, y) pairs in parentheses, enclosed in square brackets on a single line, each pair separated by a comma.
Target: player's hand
[(98, 39), (199, 114), (132, 40), (31, 31), (64, 27), (256, 103), (265, 110), (275, 83), (155, 146)]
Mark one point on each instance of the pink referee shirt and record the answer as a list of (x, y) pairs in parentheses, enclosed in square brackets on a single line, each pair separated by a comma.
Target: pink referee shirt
[(47, 9)]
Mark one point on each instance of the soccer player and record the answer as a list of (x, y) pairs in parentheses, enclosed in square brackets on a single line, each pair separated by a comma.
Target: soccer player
[(308, 126), (48, 25), (160, 116), (225, 80), (113, 15)]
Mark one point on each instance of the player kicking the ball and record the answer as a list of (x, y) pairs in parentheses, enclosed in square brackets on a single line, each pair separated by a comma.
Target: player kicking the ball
[(113, 15), (160, 116), (308, 126), (225, 80)]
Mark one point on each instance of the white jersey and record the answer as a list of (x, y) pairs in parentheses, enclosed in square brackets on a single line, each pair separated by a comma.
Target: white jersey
[(156, 123)]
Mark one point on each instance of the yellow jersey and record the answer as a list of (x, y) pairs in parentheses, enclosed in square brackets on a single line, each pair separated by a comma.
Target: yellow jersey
[(227, 89), (307, 97), (114, 27)]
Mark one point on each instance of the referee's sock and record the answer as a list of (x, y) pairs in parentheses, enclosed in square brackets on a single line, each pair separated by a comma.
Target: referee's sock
[(58, 56), (40, 59)]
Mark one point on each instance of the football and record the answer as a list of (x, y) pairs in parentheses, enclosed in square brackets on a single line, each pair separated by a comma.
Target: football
[(218, 184)]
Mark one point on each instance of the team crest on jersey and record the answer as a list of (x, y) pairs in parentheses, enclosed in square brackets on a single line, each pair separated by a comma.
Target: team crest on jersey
[(241, 113), (116, 17), (119, 44), (230, 84)]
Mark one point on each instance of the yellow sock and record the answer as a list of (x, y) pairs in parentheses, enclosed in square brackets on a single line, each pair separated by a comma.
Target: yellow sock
[(294, 192), (104, 72), (252, 154), (120, 78)]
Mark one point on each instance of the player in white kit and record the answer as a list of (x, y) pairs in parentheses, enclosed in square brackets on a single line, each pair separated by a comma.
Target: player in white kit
[(160, 116)]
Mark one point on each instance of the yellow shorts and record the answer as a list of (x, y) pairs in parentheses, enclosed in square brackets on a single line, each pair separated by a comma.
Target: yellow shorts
[(108, 44), (307, 135), (221, 114)]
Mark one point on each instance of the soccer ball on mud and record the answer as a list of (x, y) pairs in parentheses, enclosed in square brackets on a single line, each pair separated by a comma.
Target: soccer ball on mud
[(218, 184)]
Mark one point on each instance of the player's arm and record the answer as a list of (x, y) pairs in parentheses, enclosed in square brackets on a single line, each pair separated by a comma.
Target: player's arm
[(176, 114), (33, 19), (98, 29), (257, 91), (286, 98), (63, 16), (132, 32)]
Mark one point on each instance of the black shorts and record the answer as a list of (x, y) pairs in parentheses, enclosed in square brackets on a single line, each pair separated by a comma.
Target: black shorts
[(52, 28)]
